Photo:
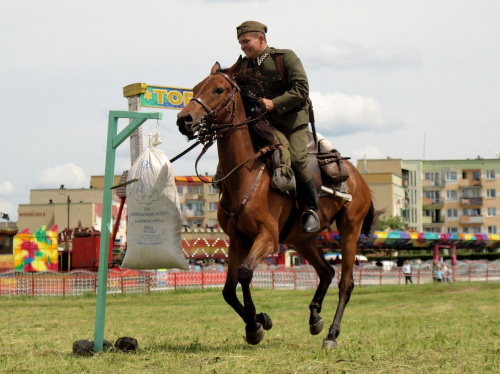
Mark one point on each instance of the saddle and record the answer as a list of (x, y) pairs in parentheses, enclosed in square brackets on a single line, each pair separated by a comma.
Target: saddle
[(326, 164)]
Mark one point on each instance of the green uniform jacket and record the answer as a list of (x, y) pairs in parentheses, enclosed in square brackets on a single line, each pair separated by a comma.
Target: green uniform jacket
[(291, 108)]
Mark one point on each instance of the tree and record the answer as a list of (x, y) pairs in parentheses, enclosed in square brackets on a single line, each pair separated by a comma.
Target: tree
[(391, 223)]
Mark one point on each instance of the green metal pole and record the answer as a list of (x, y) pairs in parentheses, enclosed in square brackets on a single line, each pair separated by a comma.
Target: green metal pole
[(114, 140)]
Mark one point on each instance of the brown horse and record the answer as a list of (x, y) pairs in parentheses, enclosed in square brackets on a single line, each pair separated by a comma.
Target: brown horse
[(256, 217)]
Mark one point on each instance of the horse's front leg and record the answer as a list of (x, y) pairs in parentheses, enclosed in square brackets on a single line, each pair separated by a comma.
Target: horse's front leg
[(229, 292), (346, 286), (255, 324), (237, 253)]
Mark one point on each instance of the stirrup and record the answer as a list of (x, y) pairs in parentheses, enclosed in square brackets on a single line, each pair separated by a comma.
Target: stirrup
[(314, 215)]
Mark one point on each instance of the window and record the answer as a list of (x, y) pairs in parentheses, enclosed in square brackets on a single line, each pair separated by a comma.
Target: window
[(466, 230), (180, 190), (195, 190), (212, 222), (492, 229), (492, 212), (476, 230), (431, 176), (212, 190), (490, 174), (472, 212), (212, 206), (452, 195), (198, 207), (452, 213), (452, 230), (476, 175), (471, 192), (182, 207), (451, 176), (434, 196), (491, 193)]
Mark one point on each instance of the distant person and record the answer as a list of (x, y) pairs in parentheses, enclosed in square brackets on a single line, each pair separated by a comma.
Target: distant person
[(448, 273), (439, 275), (444, 268), (407, 270), (435, 268)]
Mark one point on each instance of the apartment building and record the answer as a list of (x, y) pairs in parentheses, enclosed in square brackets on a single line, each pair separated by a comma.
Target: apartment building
[(70, 208), (447, 196), (199, 202)]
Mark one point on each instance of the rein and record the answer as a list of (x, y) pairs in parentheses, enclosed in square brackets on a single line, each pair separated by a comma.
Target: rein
[(210, 132)]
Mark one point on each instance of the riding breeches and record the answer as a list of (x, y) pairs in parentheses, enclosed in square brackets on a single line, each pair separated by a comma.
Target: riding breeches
[(297, 144)]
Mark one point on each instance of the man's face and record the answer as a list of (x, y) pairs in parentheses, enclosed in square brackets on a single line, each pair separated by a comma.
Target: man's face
[(251, 46)]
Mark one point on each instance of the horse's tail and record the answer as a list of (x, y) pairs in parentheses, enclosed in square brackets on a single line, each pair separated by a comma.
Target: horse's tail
[(370, 220)]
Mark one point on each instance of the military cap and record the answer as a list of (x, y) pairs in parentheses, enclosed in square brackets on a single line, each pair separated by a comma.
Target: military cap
[(249, 26)]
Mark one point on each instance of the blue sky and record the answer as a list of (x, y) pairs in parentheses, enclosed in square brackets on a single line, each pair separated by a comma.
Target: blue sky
[(384, 75)]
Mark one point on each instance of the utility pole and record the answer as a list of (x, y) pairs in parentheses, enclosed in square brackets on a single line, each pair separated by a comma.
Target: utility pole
[(68, 201), (67, 226)]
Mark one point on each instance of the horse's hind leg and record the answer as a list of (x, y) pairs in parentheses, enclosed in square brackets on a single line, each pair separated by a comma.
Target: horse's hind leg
[(309, 251)]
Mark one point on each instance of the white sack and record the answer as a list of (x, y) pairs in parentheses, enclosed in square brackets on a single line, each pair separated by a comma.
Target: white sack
[(154, 219)]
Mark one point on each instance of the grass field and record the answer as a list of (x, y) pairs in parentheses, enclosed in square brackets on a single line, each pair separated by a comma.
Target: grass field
[(435, 328)]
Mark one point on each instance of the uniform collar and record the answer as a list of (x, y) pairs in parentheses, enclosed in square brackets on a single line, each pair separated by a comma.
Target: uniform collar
[(263, 55)]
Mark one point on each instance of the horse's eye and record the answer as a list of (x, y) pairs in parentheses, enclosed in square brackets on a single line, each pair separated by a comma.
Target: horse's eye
[(219, 90)]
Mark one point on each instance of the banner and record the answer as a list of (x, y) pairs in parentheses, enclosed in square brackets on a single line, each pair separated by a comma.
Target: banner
[(166, 97)]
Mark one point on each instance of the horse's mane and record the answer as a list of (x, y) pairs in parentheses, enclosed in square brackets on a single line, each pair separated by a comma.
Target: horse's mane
[(252, 91)]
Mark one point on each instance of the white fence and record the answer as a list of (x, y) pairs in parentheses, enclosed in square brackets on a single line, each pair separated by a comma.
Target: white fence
[(78, 283)]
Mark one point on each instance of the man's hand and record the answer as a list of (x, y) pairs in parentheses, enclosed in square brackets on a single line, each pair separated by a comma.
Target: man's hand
[(269, 105)]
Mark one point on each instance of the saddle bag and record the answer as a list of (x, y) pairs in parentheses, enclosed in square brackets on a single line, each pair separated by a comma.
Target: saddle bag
[(333, 170)]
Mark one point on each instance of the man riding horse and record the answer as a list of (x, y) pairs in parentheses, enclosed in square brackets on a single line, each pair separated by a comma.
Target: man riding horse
[(286, 104)]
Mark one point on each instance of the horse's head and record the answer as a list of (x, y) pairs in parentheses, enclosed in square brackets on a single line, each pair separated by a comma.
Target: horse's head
[(211, 102)]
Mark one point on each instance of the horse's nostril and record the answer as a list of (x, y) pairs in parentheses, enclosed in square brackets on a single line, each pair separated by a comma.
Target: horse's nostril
[(185, 120)]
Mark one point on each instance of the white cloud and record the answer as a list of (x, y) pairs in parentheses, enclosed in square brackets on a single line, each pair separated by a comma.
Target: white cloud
[(69, 174), (6, 188), (8, 208), (368, 152), (341, 54), (342, 114)]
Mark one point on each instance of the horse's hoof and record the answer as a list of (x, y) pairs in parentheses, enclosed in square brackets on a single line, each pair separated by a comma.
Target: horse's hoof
[(255, 337), (265, 320), (329, 344), (316, 328)]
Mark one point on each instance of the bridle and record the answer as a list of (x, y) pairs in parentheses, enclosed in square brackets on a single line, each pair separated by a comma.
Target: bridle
[(209, 130)]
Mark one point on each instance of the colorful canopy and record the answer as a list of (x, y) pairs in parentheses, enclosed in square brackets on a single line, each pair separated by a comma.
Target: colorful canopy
[(413, 240)]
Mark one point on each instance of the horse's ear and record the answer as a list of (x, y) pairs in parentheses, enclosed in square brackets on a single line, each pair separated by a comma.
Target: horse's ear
[(233, 69), (215, 68)]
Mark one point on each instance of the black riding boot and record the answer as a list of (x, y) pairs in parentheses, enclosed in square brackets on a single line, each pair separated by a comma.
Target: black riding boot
[(309, 219)]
